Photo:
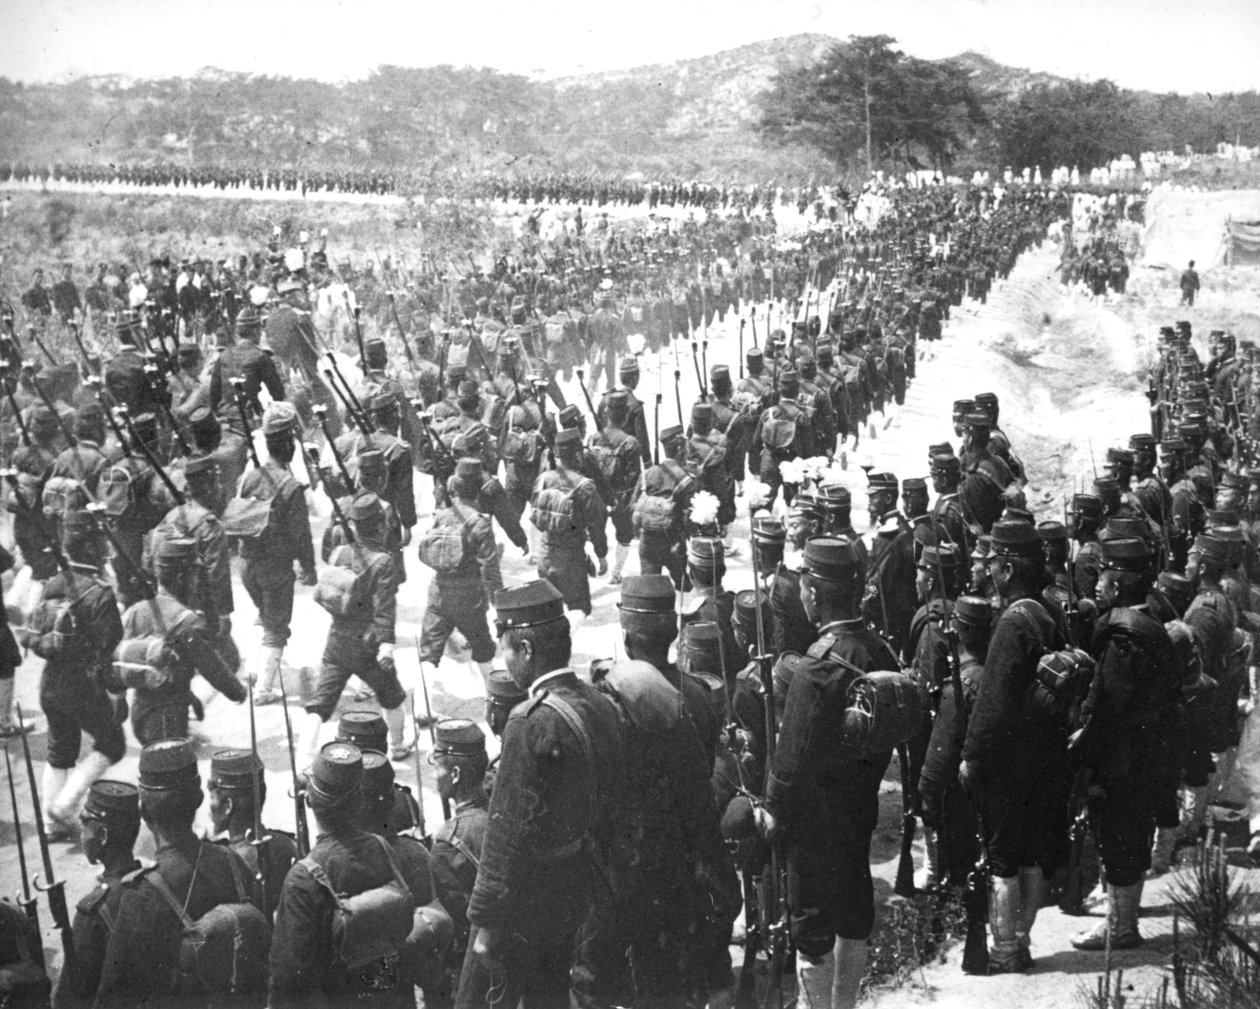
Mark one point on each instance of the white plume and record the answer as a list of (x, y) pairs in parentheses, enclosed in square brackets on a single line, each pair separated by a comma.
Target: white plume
[(704, 508), (258, 295), (294, 260), (792, 471), (756, 493), (137, 296)]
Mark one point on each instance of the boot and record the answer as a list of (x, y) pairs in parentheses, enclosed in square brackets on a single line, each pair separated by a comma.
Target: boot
[(1121, 921), (399, 749), (63, 808), (929, 878), (1032, 894), (51, 784), (814, 981), (619, 561), (265, 690), (8, 727), (1004, 957), (850, 967), (1163, 850)]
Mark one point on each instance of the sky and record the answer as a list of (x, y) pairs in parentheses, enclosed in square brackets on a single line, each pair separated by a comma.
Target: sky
[(1147, 44)]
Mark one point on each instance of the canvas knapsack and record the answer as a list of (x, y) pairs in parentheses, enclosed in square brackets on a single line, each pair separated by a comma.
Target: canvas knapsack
[(249, 518), (779, 432), (223, 951), (555, 508), (369, 928), (54, 626), (658, 513), (334, 588), (148, 661), (443, 545)]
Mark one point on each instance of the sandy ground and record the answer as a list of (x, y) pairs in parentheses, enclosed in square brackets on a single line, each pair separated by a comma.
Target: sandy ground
[(1067, 370)]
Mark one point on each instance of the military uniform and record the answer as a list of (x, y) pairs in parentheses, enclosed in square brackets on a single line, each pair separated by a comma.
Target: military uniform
[(568, 510), (663, 548), (890, 603), (456, 858), (291, 336), (636, 413), (367, 729)]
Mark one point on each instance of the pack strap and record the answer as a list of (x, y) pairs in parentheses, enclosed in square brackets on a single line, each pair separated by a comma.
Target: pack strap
[(566, 711), (320, 874), (154, 876)]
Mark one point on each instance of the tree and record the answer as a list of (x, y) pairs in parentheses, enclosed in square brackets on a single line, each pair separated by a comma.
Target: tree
[(866, 96), (1080, 123)]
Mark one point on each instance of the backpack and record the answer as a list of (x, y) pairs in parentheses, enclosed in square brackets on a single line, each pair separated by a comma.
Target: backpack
[(1061, 680), (178, 523), (611, 459), (148, 662), (520, 445), (334, 589), (370, 928), (249, 518), (53, 627), (118, 491), (555, 509), (443, 545), (882, 709), (62, 494), (657, 513), (225, 950), (778, 432)]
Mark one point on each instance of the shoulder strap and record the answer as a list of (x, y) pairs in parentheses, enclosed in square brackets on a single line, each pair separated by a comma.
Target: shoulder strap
[(570, 716), (154, 876)]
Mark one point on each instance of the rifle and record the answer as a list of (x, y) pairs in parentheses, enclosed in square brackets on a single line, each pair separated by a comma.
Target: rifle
[(976, 902), (353, 408), (358, 330), (1071, 900), (23, 430), (143, 577), (428, 712), (33, 336), (176, 494), (162, 394), (581, 376), (301, 828), (26, 900), (656, 431), (742, 321), (443, 461), (242, 406), (78, 339), (257, 840), (56, 889), (321, 414)]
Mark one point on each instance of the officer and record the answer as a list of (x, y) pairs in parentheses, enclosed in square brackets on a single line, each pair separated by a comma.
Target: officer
[(72, 687), (361, 636), (267, 571), (823, 799), (190, 877), (237, 778), (1126, 740), (534, 885), (109, 826), (568, 511), (617, 453), (367, 729), (459, 759), (161, 711), (660, 503), (1015, 756), (459, 598), (345, 862), (635, 423)]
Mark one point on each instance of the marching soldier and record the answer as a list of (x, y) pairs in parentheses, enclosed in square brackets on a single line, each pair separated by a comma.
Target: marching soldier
[(534, 886), (291, 335), (617, 454), (367, 729), (784, 432), (636, 415), (660, 503)]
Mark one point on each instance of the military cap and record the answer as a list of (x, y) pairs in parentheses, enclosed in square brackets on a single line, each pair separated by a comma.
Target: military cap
[(455, 375), (467, 390), (1143, 441), (1234, 481), (942, 462), (168, 764), (705, 551), (962, 407), (1107, 489), (528, 605), (1173, 446), (986, 400), (943, 448), (1178, 588), (279, 418), (176, 551), (235, 770), (1191, 428), (647, 594), (702, 412), (366, 507), (1017, 514), (201, 465), (365, 728), (1167, 331), (974, 611), (1212, 547), (719, 374), (943, 555), (671, 433), (145, 424), (1013, 538), (978, 421), (619, 398), (569, 416), (1253, 478), (78, 521), (754, 354), (371, 459), (834, 496), (374, 343), (807, 506), (382, 402), (336, 774), (1183, 326), (502, 688), (700, 650), (629, 366), (826, 356), (789, 383), (202, 421), (829, 557), (113, 800), (913, 483), (768, 530), (288, 285), (1051, 531), (89, 413), (876, 482), (458, 737), (1125, 553), (1087, 504), (569, 436), (1121, 456), (983, 547), (378, 775), (746, 608)]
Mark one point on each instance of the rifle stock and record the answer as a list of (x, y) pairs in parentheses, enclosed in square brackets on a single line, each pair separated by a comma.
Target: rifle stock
[(301, 829), (1072, 898), (26, 900)]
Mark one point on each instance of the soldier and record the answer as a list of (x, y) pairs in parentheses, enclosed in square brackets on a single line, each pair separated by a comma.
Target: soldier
[(821, 797), (380, 382), (730, 421), (125, 377), (709, 602), (361, 636), (136, 500), (889, 602), (1189, 284), (617, 454), (345, 862), (85, 461), (460, 593), (460, 762), (292, 338), (661, 500), (568, 510), (367, 729), (161, 711), (399, 490), (534, 887), (999, 443), (1126, 740), (784, 432), (606, 338), (109, 826), (836, 503), (707, 458), (72, 684), (1187, 516), (189, 879), (267, 571), (1015, 756), (755, 397), (947, 514), (636, 415), (988, 484), (236, 778)]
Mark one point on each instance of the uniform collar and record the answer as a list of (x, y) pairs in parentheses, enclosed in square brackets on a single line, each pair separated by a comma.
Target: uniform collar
[(537, 686), (842, 626)]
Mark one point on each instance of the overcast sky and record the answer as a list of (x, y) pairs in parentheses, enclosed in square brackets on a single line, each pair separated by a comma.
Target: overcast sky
[(1154, 44)]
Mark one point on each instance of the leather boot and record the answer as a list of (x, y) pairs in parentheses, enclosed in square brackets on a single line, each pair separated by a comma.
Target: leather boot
[(850, 967), (1032, 894), (814, 981), (1004, 956)]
